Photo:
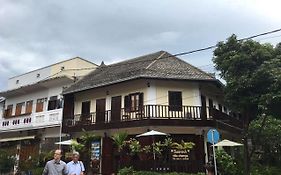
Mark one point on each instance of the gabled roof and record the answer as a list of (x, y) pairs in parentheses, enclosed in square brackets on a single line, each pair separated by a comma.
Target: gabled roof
[(159, 65), (55, 64), (30, 88)]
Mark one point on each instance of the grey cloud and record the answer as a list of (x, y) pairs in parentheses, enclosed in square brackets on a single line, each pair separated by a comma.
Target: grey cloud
[(38, 33)]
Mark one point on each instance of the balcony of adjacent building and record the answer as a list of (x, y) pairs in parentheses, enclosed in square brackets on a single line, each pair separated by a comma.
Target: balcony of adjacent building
[(32, 121), (153, 115)]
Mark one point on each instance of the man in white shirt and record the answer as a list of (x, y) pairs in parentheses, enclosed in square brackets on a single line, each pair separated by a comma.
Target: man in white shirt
[(75, 167)]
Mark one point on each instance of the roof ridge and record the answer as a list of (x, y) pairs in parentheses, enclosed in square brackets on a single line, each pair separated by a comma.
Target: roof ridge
[(194, 67), (164, 52), (132, 59), (44, 67)]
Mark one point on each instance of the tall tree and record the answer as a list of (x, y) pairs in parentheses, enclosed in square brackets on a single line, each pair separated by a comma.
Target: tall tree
[(252, 72), (268, 142)]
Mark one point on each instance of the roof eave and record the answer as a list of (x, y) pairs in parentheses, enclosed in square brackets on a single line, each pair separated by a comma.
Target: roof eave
[(142, 77)]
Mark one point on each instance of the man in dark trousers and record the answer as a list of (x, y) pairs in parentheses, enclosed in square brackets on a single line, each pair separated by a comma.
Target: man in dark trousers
[(55, 166)]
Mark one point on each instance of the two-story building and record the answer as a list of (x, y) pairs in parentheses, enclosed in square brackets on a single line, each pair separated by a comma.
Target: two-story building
[(31, 110), (156, 91)]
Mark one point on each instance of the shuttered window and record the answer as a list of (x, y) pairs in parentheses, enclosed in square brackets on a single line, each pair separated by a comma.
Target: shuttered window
[(133, 102), (175, 100), (19, 108), (8, 111), (28, 107), (40, 105)]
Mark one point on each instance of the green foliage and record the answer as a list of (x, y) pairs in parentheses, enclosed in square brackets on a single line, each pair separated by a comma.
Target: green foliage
[(119, 140), (130, 171), (134, 146), (252, 72), (83, 146), (168, 142), (226, 164), (267, 142), (157, 148), (88, 137), (6, 161), (146, 149), (265, 170), (186, 146), (37, 170), (77, 146), (126, 171)]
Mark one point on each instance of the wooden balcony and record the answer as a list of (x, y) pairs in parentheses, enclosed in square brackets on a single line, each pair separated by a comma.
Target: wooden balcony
[(154, 115)]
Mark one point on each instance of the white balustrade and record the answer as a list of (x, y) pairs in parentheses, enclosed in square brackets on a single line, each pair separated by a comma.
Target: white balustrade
[(32, 121)]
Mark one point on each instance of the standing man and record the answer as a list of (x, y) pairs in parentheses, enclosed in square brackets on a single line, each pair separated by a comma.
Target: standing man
[(75, 167), (55, 166)]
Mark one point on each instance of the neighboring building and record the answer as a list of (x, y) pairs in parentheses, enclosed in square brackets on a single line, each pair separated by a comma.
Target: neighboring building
[(31, 113), (156, 91)]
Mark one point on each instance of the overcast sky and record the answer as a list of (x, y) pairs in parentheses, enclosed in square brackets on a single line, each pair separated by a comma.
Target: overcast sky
[(34, 33)]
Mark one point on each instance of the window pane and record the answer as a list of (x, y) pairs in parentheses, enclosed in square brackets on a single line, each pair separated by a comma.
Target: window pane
[(175, 100), (39, 105)]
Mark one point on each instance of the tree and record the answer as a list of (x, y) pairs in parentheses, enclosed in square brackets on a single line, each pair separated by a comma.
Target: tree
[(84, 146), (268, 142), (119, 140), (252, 72)]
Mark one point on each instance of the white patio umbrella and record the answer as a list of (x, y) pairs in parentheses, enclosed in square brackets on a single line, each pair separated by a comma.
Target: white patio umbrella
[(226, 142), (152, 133), (66, 142)]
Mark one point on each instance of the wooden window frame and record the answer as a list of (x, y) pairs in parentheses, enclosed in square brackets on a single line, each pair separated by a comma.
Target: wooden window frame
[(28, 107), (19, 108), (9, 111), (175, 100), (40, 102), (134, 102)]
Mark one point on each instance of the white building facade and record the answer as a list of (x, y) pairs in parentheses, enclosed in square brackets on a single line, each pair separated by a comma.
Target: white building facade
[(31, 110)]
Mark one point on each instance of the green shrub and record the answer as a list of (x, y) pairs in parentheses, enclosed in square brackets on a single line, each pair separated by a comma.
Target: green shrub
[(126, 171), (130, 171), (6, 162), (265, 170), (226, 163), (159, 173)]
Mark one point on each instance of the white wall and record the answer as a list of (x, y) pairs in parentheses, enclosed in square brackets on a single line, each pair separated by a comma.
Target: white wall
[(2, 108), (28, 78), (47, 93)]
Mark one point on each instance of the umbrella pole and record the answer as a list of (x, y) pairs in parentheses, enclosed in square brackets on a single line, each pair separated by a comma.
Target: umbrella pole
[(153, 153), (153, 149)]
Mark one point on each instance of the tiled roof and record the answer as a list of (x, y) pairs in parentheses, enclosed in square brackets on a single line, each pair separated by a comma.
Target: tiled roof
[(159, 65)]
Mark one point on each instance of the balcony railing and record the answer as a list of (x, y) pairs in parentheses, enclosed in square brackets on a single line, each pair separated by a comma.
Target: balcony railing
[(148, 112), (32, 121)]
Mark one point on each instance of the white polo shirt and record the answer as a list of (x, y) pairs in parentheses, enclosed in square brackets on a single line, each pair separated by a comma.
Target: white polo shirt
[(75, 168)]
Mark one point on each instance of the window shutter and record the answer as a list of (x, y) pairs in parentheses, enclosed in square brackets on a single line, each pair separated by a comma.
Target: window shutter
[(127, 103), (141, 99), (175, 101)]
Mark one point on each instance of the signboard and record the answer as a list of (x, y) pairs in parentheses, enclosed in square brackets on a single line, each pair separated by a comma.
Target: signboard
[(95, 150), (95, 156), (180, 154), (213, 136)]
